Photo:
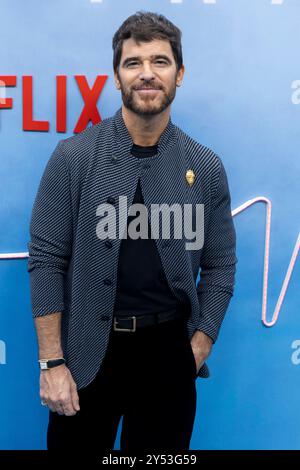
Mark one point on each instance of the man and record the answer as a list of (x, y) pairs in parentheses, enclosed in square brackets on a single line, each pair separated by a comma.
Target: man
[(122, 328)]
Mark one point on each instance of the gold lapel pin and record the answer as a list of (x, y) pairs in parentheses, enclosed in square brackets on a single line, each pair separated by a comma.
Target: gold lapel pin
[(190, 177)]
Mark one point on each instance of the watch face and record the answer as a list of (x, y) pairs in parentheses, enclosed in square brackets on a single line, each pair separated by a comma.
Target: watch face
[(43, 365)]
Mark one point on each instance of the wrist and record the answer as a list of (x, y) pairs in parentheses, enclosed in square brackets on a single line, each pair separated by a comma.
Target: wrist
[(47, 354)]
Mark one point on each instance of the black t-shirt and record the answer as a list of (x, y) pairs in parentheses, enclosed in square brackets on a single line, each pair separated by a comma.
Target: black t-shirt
[(142, 286)]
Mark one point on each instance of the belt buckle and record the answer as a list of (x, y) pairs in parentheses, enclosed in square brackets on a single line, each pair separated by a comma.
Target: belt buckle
[(125, 329)]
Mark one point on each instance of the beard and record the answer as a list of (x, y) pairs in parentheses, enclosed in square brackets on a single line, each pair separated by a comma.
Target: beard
[(147, 106)]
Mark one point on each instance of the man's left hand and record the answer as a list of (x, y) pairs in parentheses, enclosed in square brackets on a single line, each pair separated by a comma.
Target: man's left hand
[(201, 345)]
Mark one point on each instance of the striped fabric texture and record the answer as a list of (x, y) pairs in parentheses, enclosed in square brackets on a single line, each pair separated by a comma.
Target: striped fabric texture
[(73, 271)]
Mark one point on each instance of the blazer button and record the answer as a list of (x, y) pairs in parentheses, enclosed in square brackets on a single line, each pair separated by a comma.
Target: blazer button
[(104, 317), (107, 282), (108, 243), (114, 159), (111, 200)]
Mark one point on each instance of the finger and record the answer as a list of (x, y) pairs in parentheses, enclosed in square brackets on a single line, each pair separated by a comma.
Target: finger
[(68, 408), (55, 406), (60, 409), (75, 399), (51, 406)]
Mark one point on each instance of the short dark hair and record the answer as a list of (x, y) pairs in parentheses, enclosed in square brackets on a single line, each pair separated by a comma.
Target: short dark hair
[(145, 26)]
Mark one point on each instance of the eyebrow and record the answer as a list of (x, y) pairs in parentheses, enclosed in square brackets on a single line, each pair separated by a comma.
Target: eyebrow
[(155, 56)]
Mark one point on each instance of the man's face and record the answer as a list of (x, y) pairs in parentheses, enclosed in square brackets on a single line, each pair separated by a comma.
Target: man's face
[(147, 76)]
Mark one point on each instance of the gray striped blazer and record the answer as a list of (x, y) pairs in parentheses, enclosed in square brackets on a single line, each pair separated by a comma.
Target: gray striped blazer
[(74, 272)]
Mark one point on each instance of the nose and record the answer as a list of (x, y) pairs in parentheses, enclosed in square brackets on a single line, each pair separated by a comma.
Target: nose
[(146, 72)]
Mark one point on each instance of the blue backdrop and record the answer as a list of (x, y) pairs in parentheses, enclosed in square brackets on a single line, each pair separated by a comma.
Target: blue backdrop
[(241, 97)]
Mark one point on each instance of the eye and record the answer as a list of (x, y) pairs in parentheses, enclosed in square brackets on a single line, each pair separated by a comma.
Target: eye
[(132, 63), (161, 62)]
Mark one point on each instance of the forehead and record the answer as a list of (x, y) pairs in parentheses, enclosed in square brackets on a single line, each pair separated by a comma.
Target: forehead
[(146, 49)]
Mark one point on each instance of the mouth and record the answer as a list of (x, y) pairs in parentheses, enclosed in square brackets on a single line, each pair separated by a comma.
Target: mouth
[(147, 90)]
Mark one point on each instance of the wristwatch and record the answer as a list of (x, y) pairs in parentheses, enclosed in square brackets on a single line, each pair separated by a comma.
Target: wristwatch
[(46, 364)]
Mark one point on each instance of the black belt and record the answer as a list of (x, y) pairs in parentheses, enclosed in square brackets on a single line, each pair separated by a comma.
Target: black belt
[(131, 323)]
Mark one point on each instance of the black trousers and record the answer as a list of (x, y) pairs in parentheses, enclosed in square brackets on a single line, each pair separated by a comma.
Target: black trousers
[(149, 378)]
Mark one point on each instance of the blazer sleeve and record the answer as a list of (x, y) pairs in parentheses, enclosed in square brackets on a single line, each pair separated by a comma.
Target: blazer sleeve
[(50, 242), (218, 261)]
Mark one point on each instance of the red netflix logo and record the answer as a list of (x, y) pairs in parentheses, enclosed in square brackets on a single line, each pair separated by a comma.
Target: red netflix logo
[(90, 97)]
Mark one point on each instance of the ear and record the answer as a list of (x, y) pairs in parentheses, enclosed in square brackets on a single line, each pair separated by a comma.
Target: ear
[(117, 81), (180, 75)]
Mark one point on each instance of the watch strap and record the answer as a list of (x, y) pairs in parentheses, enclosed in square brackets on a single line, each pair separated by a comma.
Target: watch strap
[(46, 364)]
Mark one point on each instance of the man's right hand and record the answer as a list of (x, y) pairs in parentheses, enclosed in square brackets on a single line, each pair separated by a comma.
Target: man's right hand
[(59, 391)]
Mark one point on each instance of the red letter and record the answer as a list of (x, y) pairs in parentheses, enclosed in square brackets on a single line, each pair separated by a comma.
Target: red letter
[(90, 98), (61, 103), (7, 80), (28, 123)]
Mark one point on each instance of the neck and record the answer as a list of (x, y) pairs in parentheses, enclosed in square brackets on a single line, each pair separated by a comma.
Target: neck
[(145, 130)]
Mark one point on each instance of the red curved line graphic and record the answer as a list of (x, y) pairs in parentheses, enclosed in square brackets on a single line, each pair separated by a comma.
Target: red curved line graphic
[(287, 278)]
